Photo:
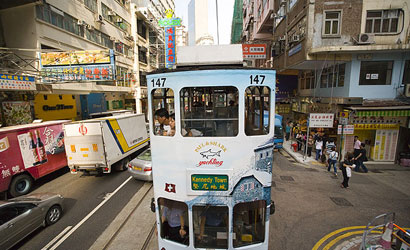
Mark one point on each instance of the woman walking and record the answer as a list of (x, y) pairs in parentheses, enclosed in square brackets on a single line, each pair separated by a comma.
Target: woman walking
[(346, 167), (333, 156), (318, 146)]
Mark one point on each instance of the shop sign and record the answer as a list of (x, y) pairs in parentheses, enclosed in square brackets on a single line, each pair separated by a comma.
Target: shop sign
[(14, 82), (165, 22), (170, 47), (54, 107), (321, 120), (76, 66), (254, 51), (209, 182), (347, 129), (376, 126), (378, 113), (295, 49)]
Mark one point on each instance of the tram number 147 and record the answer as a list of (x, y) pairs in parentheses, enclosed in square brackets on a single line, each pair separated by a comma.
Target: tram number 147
[(258, 79), (159, 82)]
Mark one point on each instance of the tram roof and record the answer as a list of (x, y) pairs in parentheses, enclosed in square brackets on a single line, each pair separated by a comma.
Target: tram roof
[(203, 67)]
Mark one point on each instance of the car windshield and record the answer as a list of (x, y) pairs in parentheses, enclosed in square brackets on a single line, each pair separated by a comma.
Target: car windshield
[(146, 155)]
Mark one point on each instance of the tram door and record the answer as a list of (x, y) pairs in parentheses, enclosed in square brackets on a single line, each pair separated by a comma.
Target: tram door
[(212, 152)]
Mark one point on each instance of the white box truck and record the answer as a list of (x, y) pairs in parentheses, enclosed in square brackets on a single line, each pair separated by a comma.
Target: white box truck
[(104, 143)]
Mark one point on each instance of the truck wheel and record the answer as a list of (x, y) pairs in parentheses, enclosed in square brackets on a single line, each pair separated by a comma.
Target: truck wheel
[(20, 185), (124, 164)]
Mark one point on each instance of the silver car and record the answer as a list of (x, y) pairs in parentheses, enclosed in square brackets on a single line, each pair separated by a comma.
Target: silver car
[(21, 216), (140, 167)]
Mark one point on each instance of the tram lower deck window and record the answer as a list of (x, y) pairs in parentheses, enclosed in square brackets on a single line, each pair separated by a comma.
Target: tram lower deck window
[(257, 110), (209, 111), (174, 220), (249, 223), (210, 226)]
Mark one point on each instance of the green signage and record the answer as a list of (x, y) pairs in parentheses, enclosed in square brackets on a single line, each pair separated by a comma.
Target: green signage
[(205, 182), (169, 22)]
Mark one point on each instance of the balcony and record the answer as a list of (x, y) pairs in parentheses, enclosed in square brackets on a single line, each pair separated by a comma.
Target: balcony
[(263, 24)]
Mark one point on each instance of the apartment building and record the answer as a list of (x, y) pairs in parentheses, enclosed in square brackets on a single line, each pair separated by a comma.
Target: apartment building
[(128, 28), (352, 55)]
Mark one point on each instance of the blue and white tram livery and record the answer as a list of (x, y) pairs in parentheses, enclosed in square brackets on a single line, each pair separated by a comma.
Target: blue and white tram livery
[(212, 156)]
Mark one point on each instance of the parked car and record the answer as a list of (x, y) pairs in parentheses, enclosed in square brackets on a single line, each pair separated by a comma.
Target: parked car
[(140, 167), (21, 216)]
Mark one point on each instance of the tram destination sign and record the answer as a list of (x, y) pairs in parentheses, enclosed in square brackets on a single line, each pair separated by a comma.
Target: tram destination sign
[(202, 182)]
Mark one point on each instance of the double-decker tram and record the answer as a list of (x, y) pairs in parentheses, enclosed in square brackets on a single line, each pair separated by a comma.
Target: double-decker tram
[(212, 133)]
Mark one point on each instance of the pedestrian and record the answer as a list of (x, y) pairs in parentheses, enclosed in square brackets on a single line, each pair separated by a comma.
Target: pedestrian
[(310, 145), (318, 146), (360, 159), (329, 145), (356, 146), (346, 167), (333, 156), (299, 140), (287, 129)]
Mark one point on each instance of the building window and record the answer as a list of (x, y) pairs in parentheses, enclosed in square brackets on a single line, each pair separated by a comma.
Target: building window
[(406, 75), (332, 23), (93, 35), (91, 4), (376, 72), (143, 78), (142, 54), (331, 77), (141, 28), (382, 21), (107, 13), (341, 75), (163, 106), (106, 41)]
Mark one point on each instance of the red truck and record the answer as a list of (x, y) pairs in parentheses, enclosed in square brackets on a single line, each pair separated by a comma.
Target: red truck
[(28, 152)]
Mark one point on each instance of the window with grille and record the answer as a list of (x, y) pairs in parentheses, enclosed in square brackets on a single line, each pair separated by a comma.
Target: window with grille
[(376, 72), (382, 21)]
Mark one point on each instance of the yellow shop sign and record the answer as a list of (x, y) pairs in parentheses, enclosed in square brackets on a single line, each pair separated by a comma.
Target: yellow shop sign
[(55, 107)]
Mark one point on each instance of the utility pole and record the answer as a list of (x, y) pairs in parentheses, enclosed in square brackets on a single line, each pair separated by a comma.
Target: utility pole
[(217, 23)]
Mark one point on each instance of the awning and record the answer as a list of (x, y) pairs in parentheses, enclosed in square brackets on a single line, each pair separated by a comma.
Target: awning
[(80, 88)]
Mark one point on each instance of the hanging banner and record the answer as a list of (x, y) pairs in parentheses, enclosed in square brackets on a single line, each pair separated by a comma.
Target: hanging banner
[(321, 120), (170, 47), (14, 82), (94, 65)]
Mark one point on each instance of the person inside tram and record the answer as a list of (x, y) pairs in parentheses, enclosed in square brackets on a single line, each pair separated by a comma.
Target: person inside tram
[(174, 224), (184, 131), (211, 222), (162, 116)]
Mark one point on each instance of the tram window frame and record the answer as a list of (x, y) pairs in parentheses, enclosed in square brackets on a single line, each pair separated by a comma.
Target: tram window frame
[(261, 99), (209, 111), (241, 212), (165, 229), (161, 98), (210, 233)]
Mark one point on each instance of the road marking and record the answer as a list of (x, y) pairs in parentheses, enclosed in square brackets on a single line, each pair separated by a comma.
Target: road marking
[(320, 242), (56, 238), (331, 243), (89, 215)]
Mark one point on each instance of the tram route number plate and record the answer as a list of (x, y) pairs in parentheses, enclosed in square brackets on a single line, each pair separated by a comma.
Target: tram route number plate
[(203, 182)]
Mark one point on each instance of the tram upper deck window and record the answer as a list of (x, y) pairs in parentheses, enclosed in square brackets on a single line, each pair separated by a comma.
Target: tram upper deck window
[(210, 226), (174, 220), (209, 111), (257, 110), (163, 108), (249, 223)]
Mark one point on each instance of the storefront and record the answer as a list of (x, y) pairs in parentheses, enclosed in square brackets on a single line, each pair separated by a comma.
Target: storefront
[(55, 107), (379, 130), (16, 99)]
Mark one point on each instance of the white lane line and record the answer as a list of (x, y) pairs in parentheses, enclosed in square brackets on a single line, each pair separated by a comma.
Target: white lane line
[(108, 197), (56, 238)]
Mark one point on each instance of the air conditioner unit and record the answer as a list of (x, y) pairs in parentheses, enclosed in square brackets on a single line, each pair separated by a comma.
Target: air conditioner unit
[(111, 13), (282, 38), (112, 38), (365, 38), (90, 27), (99, 18), (119, 20), (79, 22), (407, 90), (295, 38)]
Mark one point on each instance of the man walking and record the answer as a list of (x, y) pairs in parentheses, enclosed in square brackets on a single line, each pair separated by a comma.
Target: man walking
[(360, 159), (356, 146)]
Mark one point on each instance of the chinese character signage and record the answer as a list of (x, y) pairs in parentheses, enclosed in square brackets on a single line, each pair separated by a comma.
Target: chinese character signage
[(321, 120), (254, 51), (169, 47), (13, 82), (347, 129), (202, 182), (78, 66)]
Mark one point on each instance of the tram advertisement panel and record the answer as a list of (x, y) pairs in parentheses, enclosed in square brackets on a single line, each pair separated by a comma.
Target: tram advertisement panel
[(212, 153)]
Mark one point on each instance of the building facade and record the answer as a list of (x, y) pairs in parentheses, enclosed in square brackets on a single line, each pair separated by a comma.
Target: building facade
[(126, 28), (351, 55)]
